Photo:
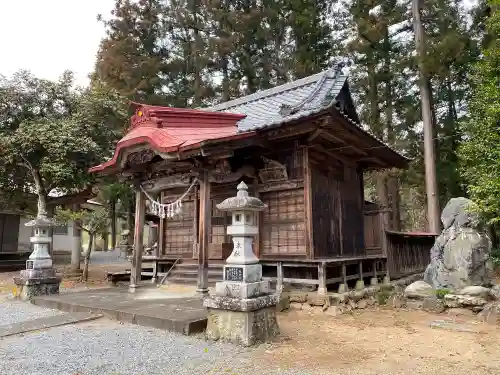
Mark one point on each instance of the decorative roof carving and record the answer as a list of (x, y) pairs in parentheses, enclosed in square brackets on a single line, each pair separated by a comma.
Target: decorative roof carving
[(272, 171)]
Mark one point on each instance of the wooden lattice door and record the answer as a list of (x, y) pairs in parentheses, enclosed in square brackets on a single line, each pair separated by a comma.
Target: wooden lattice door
[(179, 231), (283, 225)]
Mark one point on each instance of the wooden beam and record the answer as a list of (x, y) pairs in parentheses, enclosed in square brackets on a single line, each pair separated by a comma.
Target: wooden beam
[(345, 145), (334, 155), (203, 233), (140, 206), (314, 135), (289, 131)]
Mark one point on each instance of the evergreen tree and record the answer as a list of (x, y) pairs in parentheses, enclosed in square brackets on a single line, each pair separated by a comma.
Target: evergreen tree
[(133, 56), (480, 153)]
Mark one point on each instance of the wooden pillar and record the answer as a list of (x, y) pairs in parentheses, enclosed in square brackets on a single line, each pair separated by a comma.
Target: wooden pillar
[(279, 277), (161, 232), (308, 204), (196, 218), (374, 279), (140, 207), (384, 225), (343, 287), (321, 279), (360, 284), (204, 221)]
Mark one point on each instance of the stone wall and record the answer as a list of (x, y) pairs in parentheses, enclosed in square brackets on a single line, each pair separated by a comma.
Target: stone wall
[(338, 303)]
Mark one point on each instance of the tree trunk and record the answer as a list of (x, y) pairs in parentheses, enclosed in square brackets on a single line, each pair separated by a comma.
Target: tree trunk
[(105, 241), (130, 217), (113, 223), (433, 214), (76, 251), (393, 188), (85, 275), (495, 242), (40, 191)]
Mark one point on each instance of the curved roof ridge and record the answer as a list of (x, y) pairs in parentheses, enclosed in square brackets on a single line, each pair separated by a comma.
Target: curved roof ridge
[(267, 93), (288, 110)]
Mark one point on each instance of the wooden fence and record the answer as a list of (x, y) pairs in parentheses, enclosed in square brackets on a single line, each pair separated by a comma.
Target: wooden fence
[(407, 252)]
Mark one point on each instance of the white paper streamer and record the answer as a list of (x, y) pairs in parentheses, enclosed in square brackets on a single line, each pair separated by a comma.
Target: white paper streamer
[(168, 210)]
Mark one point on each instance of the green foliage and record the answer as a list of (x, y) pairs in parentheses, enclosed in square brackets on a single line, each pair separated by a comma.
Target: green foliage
[(383, 296), (495, 257), (50, 133), (192, 53), (440, 293), (480, 153), (91, 221)]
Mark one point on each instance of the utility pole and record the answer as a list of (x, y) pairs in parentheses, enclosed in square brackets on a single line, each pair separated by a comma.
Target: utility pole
[(433, 216)]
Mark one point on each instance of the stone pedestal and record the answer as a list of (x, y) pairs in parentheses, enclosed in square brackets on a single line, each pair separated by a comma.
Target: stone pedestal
[(39, 277), (242, 321), (242, 310), (39, 283)]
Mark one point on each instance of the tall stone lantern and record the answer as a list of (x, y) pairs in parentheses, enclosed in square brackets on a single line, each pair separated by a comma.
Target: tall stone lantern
[(242, 310), (39, 277)]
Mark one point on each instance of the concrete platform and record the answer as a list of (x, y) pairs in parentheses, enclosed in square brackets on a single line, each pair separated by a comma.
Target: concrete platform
[(149, 306), (46, 322)]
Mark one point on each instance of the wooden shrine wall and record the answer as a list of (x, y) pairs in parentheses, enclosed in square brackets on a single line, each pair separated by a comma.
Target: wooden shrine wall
[(283, 226), (179, 233), (337, 212)]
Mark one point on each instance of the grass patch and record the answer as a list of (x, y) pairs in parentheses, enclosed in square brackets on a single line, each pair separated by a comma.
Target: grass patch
[(382, 296), (440, 293)]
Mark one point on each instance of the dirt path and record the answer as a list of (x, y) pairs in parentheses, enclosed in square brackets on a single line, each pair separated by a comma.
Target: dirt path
[(383, 342)]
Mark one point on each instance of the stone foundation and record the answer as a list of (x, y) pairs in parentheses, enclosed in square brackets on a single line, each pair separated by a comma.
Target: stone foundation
[(244, 322), (32, 287), (244, 328)]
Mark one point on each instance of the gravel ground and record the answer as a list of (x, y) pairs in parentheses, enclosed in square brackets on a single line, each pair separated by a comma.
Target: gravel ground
[(105, 347), (12, 311)]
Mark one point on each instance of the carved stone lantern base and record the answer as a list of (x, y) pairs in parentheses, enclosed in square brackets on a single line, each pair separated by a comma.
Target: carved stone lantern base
[(240, 321), (40, 282), (39, 278)]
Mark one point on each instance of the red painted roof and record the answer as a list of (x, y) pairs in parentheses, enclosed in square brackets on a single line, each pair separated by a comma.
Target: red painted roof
[(168, 130)]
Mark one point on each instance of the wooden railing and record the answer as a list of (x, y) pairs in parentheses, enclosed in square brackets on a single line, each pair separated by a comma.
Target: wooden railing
[(408, 252)]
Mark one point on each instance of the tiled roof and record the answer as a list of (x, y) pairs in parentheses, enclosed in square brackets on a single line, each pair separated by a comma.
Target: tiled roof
[(292, 101), (287, 102)]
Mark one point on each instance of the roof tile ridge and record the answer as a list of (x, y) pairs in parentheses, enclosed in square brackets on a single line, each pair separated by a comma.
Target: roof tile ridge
[(267, 93), (287, 110)]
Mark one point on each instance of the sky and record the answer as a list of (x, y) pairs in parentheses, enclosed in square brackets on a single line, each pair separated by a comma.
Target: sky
[(54, 35), (50, 36)]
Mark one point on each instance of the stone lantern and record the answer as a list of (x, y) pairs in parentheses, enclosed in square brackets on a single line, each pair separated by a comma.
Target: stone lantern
[(39, 277), (242, 310)]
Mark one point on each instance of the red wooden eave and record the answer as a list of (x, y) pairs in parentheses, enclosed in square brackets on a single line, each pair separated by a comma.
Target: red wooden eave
[(173, 130)]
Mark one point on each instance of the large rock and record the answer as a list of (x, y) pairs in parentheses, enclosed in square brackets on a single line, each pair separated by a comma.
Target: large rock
[(419, 290), (460, 256), (456, 300)]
